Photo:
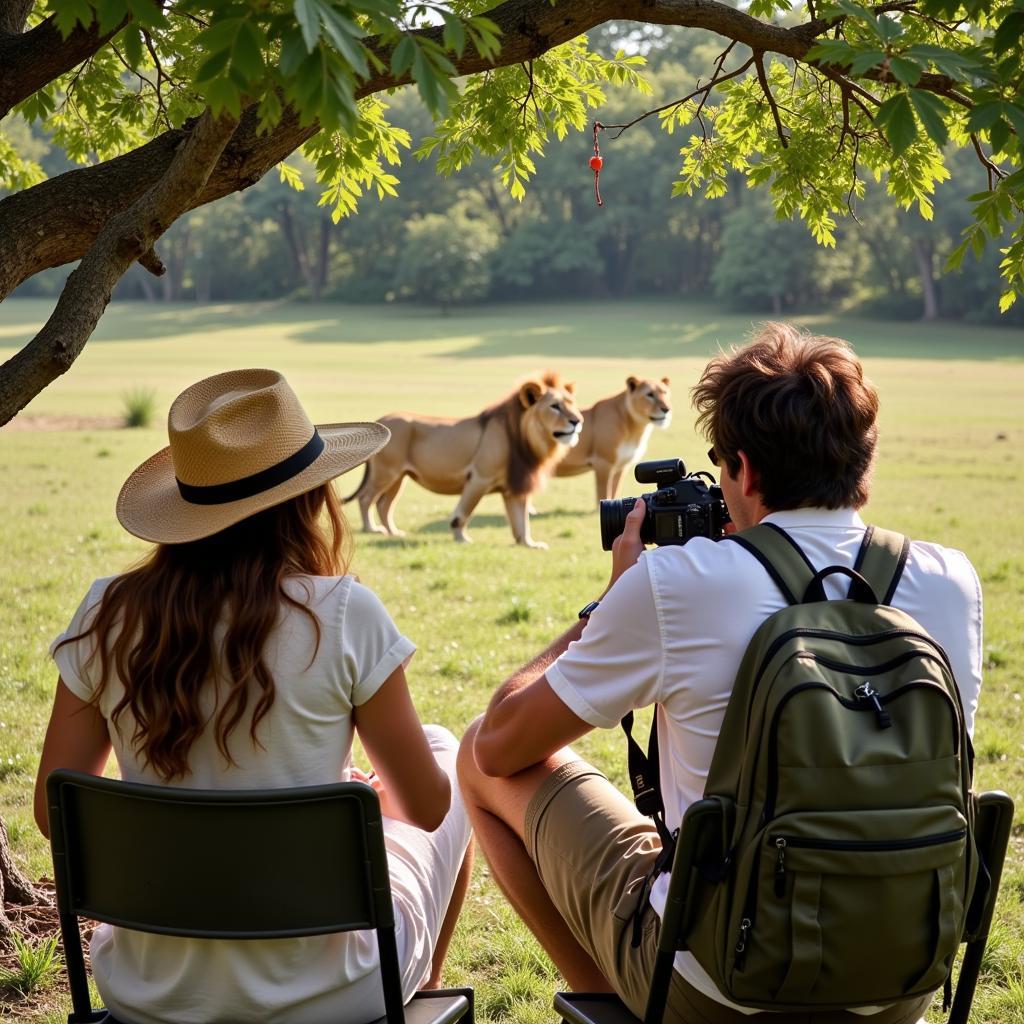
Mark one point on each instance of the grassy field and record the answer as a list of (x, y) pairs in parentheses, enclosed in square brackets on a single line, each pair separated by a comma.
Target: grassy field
[(950, 469)]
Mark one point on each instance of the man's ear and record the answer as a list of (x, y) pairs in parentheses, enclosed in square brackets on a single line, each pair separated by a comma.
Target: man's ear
[(530, 392), (749, 478), (631, 383)]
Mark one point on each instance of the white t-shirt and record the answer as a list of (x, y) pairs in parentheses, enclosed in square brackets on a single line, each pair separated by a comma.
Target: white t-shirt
[(673, 630), (306, 740)]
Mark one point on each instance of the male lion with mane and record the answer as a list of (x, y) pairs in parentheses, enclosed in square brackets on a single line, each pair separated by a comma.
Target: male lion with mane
[(615, 432), (511, 447)]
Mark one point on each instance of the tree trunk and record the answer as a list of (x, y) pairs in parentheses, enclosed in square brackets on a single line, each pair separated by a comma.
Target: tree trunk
[(925, 265), (323, 258), (14, 886)]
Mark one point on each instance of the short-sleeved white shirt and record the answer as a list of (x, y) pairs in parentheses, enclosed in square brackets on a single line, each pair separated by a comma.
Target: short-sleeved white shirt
[(306, 740), (673, 630)]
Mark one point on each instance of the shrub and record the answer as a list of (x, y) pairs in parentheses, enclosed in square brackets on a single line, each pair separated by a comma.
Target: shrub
[(38, 965), (139, 406)]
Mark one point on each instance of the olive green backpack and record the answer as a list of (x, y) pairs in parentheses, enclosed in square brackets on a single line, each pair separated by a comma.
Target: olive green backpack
[(843, 769)]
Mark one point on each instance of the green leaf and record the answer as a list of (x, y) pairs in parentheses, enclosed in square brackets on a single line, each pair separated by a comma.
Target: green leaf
[(1009, 32), (1006, 300), (946, 61), (70, 13), (831, 51), (212, 67), (896, 118), (998, 136), (865, 61), (984, 115), (454, 34), (220, 35), (1015, 115), (889, 28), (402, 56), (131, 42), (246, 56), (932, 112), (345, 34), (222, 95), (308, 14), (906, 71)]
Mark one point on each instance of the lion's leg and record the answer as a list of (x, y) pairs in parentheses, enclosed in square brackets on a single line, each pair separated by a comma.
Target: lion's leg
[(474, 490), (368, 496), (603, 476), (516, 508), (613, 487), (385, 503)]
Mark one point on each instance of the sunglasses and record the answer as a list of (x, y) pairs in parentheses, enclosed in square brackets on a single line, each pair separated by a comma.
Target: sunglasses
[(713, 456)]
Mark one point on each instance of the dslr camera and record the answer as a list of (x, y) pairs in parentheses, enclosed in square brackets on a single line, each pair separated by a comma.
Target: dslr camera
[(683, 506)]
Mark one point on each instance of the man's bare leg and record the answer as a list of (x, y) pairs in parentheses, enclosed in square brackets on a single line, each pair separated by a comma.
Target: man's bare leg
[(497, 810)]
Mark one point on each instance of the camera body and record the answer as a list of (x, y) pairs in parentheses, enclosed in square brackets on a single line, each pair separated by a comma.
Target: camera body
[(683, 506)]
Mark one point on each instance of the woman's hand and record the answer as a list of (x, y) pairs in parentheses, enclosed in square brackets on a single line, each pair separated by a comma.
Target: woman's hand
[(627, 547)]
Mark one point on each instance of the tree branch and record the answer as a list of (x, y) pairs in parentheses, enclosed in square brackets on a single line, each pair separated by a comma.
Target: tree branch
[(766, 89), (57, 221), (36, 58), (127, 236)]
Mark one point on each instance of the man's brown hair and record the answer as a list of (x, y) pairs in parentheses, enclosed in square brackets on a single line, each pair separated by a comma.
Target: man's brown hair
[(800, 407)]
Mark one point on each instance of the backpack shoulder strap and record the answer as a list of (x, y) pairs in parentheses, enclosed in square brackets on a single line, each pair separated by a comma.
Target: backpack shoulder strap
[(781, 556), (881, 559)]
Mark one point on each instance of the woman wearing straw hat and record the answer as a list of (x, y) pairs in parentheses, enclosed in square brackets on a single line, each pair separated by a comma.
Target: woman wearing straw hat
[(238, 655)]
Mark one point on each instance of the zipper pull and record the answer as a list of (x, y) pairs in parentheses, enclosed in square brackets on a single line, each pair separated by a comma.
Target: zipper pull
[(741, 946), (867, 692), (780, 868)]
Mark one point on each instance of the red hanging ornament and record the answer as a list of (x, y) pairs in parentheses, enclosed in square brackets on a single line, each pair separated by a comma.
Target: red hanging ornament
[(596, 163)]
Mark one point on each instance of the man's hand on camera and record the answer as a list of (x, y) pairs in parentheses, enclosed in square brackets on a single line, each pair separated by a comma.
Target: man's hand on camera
[(627, 547)]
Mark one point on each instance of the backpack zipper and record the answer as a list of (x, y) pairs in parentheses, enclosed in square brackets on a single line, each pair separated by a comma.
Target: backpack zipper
[(782, 843), (773, 769), (830, 634)]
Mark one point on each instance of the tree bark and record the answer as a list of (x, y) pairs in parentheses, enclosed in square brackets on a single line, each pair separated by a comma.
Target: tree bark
[(126, 237), (31, 60), (14, 886)]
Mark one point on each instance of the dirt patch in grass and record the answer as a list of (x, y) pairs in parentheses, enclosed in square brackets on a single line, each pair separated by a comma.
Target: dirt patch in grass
[(22, 423), (34, 923)]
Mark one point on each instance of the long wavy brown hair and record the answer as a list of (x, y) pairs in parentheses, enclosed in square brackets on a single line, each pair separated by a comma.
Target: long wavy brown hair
[(155, 625)]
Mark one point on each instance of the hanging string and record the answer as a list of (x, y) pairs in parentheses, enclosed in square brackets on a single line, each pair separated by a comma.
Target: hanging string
[(596, 163)]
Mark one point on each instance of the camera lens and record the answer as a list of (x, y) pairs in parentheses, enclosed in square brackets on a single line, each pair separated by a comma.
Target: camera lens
[(613, 518)]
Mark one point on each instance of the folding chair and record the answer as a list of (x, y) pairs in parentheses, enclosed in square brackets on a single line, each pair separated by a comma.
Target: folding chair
[(227, 864), (700, 838)]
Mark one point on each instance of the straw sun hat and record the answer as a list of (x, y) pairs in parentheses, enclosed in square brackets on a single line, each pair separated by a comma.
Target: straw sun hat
[(240, 443)]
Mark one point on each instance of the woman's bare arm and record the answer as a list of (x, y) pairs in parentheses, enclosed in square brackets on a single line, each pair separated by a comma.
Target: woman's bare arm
[(415, 789), (76, 738)]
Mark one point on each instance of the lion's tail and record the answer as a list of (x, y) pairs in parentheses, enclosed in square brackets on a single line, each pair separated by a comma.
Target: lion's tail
[(362, 484)]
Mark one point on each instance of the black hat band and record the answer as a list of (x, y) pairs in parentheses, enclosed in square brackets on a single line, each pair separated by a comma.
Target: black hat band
[(264, 480)]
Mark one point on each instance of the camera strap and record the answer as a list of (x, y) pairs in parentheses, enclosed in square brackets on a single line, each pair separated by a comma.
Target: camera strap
[(645, 781)]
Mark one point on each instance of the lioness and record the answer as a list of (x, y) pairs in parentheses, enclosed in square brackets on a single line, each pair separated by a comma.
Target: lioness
[(615, 432), (511, 447)]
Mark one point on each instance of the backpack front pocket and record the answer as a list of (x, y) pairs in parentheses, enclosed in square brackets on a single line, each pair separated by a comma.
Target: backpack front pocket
[(820, 885)]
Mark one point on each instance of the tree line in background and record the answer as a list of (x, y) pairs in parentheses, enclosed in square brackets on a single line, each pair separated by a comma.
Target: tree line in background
[(461, 238)]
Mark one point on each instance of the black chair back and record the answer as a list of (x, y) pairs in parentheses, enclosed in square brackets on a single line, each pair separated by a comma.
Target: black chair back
[(219, 864)]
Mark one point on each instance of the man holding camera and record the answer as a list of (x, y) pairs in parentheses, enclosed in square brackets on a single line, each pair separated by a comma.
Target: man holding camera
[(792, 422)]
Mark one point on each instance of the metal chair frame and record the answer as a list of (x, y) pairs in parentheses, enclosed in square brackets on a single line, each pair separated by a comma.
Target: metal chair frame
[(227, 864)]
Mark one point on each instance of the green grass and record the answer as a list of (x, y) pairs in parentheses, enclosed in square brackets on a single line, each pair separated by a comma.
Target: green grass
[(39, 964), (950, 469)]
